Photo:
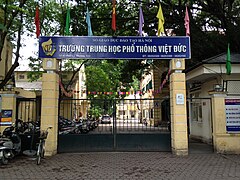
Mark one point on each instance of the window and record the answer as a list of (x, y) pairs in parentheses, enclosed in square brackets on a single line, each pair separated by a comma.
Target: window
[(151, 113), (132, 113), (121, 112), (233, 87), (196, 111), (196, 107), (21, 76)]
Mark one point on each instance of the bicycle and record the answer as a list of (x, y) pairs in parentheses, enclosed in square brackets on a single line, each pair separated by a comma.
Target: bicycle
[(41, 145)]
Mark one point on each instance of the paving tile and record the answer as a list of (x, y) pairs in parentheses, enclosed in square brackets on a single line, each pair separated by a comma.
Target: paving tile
[(124, 166)]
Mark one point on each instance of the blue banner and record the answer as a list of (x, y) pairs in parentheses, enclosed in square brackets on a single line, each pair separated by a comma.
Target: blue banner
[(102, 47)]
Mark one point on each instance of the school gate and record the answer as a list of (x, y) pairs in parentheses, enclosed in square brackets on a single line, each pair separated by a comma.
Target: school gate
[(126, 125), (120, 137)]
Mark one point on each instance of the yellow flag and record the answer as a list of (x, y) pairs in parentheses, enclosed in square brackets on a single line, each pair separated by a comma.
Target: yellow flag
[(160, 20)]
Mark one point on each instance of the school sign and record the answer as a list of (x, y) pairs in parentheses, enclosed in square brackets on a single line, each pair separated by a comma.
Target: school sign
[(101, 47)]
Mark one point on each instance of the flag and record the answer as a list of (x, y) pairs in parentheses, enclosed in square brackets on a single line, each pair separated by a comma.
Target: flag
[(187, 21), (67, 32), (114, 15), (88, 21), (141, 21), (37, 22), (160, 20), (228, 61)]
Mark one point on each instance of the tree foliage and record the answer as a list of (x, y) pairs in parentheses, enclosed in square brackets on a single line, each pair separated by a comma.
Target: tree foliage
[(11, 13), (102, 78), (213, 24)]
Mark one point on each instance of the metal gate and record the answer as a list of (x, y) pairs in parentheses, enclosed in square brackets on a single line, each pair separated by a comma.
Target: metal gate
[(28, 110), (113, 125)]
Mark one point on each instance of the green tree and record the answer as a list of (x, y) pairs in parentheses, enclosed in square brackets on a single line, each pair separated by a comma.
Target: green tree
[(12, 18), (213, 24), (17, 19), (97, 80)]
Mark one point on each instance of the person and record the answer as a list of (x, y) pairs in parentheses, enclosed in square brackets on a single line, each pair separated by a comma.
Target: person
[(80, 114)]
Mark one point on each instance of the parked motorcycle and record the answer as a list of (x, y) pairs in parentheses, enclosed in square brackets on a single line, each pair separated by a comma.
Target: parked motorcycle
[(144, 121), (82, 125), (10, 145), (29, 133), (68, 127), (85, 127), (93, 123)]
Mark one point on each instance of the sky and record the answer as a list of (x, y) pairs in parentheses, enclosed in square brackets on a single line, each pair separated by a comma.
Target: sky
[(30, 48)]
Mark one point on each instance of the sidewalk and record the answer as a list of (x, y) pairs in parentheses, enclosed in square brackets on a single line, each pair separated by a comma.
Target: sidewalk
[(125, 166)]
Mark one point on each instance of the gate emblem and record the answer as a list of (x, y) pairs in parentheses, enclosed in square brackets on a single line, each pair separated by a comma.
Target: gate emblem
[(48, 47)]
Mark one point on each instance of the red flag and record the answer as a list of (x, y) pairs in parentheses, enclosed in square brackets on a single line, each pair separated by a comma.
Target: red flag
[(114, 15), (187, 21), (37, 22)]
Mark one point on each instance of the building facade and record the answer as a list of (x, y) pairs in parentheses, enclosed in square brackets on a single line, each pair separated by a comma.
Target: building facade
[(207, 82)]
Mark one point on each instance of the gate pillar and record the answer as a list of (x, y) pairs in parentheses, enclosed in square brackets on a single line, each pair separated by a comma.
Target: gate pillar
[(179, 137), (49, 110)]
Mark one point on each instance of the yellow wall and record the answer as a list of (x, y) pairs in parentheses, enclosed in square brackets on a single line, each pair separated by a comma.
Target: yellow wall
[(9, 102), (223, 141)]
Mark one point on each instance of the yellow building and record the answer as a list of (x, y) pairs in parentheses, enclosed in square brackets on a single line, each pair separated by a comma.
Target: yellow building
[(74, 109), (213, 103), (77, 91), (153, 95), (129, 107), (5, 105)]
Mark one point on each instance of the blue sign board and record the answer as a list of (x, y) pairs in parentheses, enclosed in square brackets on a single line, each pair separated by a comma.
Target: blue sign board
[(102, 47), (232, 115), (6, 118)]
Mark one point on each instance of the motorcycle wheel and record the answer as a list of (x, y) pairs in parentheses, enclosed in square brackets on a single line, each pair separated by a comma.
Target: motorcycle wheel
[(43, 149), (4, 160), (39, 153), (84, 131)]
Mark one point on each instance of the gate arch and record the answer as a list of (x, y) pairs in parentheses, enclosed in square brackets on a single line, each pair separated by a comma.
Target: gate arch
[(51, 48)]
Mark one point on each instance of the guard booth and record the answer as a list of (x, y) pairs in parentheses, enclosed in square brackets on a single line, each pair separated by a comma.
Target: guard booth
[(176, 49)]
